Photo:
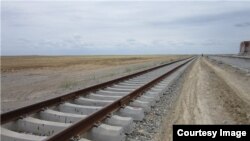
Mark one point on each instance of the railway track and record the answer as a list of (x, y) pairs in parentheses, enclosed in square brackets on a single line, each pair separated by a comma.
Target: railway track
[(102, 112)]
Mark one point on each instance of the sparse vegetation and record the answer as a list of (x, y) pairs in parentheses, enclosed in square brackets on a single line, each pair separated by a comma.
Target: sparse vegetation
[(68, 84), (128, 70), (14, 63)]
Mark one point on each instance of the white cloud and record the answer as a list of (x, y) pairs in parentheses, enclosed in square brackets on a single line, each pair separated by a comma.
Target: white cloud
[(84, 27)]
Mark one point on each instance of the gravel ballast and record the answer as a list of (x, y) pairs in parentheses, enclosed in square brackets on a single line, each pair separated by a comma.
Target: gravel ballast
[(152, 126)]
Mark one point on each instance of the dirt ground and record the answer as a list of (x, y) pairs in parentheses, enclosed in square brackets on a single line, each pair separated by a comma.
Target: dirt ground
[(211, 94), (29, 79)]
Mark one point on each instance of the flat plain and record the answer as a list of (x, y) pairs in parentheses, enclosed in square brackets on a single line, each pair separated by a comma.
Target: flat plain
[(30, 79)]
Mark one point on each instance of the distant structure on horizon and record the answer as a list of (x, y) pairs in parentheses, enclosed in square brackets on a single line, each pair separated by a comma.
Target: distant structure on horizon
[(245, 48)]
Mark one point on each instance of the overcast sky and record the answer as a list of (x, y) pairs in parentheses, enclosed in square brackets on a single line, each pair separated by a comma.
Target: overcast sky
[(85, 27)]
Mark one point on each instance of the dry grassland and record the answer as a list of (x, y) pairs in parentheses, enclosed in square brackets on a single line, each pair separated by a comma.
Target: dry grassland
[(13, 63)]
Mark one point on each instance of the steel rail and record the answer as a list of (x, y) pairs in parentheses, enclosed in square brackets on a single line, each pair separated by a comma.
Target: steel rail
[(87, 123), (24, 111)]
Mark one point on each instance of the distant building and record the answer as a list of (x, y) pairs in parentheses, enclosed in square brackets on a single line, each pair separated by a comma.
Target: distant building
[(245, 48)]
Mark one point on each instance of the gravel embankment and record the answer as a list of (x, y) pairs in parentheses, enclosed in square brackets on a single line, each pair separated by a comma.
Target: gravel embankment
[(242, 63), (152, 126)]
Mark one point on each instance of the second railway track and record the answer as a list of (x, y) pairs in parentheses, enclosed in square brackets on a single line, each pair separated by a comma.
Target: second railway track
[(102, 112)]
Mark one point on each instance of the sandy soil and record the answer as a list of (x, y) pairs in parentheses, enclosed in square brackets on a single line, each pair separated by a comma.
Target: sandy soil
[(211, 95), (26, 80)]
